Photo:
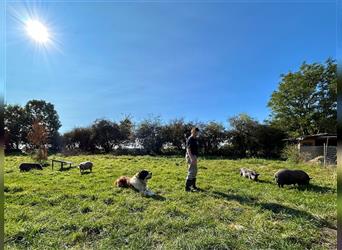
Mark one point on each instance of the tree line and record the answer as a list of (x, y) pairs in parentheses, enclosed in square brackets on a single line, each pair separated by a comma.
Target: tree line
[(304, 103), (245, 137)]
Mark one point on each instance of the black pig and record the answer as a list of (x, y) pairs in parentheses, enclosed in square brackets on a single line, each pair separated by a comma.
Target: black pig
[(288, 177), (29, 166)]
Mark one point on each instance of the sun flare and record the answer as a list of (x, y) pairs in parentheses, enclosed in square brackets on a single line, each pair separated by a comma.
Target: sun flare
[(37, 31)]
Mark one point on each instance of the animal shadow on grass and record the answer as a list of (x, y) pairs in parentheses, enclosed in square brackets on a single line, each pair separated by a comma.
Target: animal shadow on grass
[(67, 168), (278, 208), (264, 181), (88, 172), (154, 197), (274, 207), (317, 189), (157, 197)]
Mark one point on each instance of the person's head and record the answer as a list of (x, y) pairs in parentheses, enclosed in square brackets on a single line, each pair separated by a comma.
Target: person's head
[(194, 131)]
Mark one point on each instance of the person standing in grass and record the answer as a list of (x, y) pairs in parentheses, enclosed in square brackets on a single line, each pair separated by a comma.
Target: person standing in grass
[(191, 159)]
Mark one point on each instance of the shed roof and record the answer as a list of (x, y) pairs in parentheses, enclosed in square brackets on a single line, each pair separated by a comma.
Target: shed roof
[(315, 136), (318, 136)]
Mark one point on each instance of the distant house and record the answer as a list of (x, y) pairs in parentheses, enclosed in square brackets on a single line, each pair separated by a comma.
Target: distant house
[(319, 145)]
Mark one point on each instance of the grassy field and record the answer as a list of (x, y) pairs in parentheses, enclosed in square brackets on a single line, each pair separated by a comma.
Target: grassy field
[(63, 209)]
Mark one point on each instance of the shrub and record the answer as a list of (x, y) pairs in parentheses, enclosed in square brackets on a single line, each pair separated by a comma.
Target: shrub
[(291, 154)]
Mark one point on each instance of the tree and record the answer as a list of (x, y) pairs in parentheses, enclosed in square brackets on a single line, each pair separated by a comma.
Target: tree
[(174, 133), (212, 135), (327, 98), (250, 138), (149, 135), (126, 130), (79, 138), (45, 113), (306, 100), (15, 126), (38, 138), (106, 134), (269, 141), (242, 135)]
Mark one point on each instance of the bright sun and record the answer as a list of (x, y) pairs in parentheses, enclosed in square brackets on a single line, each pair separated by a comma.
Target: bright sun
[(37, 31)]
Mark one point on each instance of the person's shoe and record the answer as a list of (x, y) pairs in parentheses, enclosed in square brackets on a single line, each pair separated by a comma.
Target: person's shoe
[(194, 185), (188, 185)]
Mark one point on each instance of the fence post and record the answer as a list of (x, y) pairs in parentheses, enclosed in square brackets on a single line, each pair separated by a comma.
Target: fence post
[(324, 155)]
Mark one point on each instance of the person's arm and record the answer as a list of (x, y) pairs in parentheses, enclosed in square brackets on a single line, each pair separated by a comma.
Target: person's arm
[(188, 150)]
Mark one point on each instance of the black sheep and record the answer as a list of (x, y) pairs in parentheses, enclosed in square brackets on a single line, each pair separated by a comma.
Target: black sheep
[(288, 177), (29, 166)]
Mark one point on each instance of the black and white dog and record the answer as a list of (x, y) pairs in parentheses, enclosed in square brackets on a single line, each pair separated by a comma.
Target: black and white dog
[(137, 182)]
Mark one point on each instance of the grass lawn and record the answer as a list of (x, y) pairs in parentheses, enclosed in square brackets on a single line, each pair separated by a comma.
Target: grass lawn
[(53, 209)]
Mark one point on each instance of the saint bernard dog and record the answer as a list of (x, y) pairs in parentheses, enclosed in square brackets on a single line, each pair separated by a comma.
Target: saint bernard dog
[(137, 182)]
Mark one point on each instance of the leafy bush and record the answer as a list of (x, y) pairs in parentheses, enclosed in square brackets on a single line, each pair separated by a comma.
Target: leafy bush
[(291, 154)]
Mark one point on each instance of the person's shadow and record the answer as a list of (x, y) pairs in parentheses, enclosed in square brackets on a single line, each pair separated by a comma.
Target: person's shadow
[(235, 197), (199, 190)]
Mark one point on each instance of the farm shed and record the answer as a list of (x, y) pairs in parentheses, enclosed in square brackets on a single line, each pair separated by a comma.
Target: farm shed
[(317, 146)]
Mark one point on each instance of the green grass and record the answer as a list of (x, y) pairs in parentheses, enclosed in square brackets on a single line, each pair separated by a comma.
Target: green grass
[(53, 210)]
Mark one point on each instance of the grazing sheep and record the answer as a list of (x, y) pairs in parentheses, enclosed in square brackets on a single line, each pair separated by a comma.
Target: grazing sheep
[(29, 166), (291, 177), (87, 165), (249, 174)]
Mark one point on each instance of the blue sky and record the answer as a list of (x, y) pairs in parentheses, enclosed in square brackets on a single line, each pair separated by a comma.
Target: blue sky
[(199, 61)]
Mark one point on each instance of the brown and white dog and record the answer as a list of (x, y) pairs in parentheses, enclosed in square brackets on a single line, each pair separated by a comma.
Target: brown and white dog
[(137, 182)]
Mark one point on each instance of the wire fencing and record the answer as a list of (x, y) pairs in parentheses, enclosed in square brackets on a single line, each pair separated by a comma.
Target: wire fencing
[(327, 155)]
